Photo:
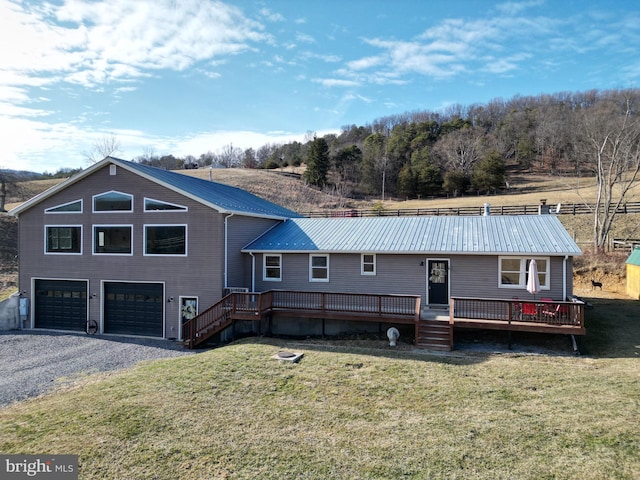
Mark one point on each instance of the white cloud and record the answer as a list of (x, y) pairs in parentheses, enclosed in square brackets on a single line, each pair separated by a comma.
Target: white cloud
[(271, 16), (94, 42), (305, 38), (335, 82), (456, 46), (66, 144), (513, 8), (328, 58), (366, 63)]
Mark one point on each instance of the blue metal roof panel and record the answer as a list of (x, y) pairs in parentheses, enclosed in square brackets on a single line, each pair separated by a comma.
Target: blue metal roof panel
[(522, 234), (220, 196), (634, 258)]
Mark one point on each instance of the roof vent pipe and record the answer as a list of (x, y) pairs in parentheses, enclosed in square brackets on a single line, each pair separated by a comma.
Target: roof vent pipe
[(543, 208), (487, 210)]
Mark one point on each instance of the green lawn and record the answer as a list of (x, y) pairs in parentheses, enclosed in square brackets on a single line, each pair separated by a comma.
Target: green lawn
[(348, 412)]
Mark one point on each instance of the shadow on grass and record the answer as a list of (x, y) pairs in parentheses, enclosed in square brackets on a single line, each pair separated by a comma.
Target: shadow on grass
[(613, 328)]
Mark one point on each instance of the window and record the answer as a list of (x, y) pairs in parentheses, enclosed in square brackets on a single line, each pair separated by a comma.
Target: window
[(318, 268), (113, 202), (71, 207), (514, 272), (151, 205), (63, 239), (165, 240), (112, 239), (368, 264), (272, 268)]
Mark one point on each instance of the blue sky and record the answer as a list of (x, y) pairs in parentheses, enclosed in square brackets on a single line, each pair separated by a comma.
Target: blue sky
[(191, 76)]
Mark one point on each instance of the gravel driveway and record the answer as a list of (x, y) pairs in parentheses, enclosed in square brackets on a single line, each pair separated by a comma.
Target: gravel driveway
[(31, 362)]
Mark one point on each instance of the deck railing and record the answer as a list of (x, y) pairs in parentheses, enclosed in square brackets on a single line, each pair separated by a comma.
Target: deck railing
[(521, 312), (242, 305), (347, 303)]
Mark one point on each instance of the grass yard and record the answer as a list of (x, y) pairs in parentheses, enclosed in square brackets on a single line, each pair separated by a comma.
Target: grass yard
[(353, 411)]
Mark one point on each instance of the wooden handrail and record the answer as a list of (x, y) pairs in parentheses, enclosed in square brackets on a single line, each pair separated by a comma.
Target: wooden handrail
[(221, 314), (553, 313)]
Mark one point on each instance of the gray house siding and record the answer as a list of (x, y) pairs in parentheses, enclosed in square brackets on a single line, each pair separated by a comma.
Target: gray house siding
[(396, 274), (199, 274), (240, 231), (469, 276), (477, 276)]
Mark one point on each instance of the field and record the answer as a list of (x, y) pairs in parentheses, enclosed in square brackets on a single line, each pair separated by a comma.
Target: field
[(354, 410)]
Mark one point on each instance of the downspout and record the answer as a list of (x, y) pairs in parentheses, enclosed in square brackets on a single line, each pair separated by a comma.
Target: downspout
[(253, 272), (564, 278), (226, 250)]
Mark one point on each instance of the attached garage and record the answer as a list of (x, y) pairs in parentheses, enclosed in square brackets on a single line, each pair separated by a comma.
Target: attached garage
[(134, 309), (60, 304)]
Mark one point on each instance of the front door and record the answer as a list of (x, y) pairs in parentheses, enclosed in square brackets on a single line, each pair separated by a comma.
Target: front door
[(438, 282)]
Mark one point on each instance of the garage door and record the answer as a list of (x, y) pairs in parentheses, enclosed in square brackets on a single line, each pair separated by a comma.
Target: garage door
[(133, 308), (60, 304)]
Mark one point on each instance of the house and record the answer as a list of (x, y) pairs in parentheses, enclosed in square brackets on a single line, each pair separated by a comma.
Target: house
[(633, 274), (440, 260), (134, 249), (432, 257), (125, 248)]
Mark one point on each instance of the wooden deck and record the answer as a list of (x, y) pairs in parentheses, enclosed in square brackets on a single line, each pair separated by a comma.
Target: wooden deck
[(430, 333), (542, 316), (398, 309)]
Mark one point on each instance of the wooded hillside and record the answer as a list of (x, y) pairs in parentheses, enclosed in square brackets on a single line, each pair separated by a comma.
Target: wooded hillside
[(460, 150)]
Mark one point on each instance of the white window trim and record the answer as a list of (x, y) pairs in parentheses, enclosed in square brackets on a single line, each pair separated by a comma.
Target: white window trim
[(181, 300), (181, 208), (51, 212), (186, 240), (311, 257), (522, 284), (93, 240), (93, 202), (362, 264), (264, 267), (46, 238)]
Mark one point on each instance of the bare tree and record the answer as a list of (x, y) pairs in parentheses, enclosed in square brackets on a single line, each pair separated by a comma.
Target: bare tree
[(610, 131), (461, 149), (9, 182), (376, 162), (105, 146), (230, 156)]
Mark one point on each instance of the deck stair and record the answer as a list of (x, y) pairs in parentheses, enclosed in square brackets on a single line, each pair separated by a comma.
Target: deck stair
[(435, 334), (210, 322)]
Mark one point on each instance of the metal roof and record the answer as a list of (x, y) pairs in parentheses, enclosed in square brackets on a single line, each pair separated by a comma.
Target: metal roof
[(221, 197), (634, 258), (481, 235)]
